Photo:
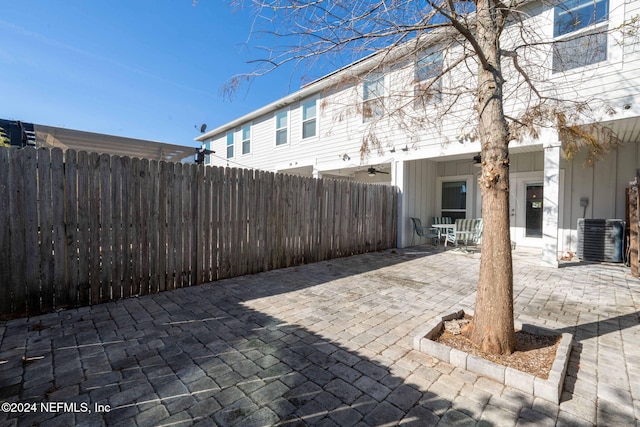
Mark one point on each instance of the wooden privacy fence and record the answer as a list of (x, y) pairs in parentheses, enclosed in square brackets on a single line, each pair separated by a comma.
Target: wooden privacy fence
[(81, 228)]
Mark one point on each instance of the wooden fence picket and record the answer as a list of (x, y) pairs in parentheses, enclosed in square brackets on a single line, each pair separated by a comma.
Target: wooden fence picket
[(163, 201), (5, 236), (16, 282), (72, 260), (126, 218), (33, 256), (45, 227)]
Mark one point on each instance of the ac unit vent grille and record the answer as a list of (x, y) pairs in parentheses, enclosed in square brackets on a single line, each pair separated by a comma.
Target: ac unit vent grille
[(600, 239)]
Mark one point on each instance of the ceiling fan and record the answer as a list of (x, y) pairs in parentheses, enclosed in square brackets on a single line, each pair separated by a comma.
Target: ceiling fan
[(374, 171)]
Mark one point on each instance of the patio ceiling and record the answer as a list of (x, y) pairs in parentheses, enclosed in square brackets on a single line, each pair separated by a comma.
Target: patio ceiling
[(362, 170), (628, 130)]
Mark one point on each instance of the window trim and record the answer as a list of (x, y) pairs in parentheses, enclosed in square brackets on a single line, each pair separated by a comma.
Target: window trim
[(380, 79), (594, 28), (560, 9), (247, 140), (230, 138), (207, 146), (419, 101), (285, 127), (304, 121), (470, 207)]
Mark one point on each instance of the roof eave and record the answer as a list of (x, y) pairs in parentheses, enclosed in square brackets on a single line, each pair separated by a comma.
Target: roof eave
[(369, 62)]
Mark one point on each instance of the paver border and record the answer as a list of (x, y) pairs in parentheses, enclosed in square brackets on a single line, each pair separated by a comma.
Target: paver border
[(549, 389)]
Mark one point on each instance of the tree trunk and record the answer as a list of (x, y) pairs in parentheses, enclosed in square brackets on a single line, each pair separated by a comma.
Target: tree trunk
[(492, 328)]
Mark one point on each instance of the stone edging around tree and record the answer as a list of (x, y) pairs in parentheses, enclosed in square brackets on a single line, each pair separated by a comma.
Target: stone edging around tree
[(549, 389)]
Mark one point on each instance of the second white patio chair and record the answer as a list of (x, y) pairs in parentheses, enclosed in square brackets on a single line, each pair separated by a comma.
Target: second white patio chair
[(465, 231)]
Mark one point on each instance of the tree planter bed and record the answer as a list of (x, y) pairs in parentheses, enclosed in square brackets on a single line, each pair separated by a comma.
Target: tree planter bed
[(549, 388)]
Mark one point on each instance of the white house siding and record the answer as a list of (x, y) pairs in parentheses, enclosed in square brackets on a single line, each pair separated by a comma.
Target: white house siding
[(418, 193), (604, 184), (435, 154)]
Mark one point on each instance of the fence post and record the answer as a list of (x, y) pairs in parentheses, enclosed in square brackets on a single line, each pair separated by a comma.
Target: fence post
[(5, 237)]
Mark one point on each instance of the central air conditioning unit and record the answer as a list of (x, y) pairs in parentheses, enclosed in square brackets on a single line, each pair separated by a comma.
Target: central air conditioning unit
[(601, 240)]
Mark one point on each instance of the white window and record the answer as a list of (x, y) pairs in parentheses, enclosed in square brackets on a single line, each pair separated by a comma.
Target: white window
[(207, 157), (309, 126), (229, 145), (454, 199), (579, 29), (246, 139), (282, 119), (427, 68), (373, 97)]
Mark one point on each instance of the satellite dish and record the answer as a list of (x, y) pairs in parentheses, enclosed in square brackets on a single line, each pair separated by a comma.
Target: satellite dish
[(203, 128)]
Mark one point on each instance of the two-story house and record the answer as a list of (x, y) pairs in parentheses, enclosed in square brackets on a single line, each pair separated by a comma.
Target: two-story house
[(397, 107)]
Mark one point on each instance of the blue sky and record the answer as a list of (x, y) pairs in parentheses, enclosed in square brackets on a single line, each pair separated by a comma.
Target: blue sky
[(148, 69)]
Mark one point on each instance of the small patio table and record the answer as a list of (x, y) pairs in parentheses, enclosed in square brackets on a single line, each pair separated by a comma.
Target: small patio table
[(443, 228)]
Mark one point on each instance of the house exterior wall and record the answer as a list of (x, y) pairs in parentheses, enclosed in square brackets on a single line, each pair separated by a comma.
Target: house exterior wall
[(418, 158), (604, 185), (340, 126)]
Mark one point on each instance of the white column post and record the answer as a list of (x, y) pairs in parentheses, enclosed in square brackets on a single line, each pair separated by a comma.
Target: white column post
[(397, 179), (551, 203)]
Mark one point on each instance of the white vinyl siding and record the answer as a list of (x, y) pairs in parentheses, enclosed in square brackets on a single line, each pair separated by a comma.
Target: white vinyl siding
[(339, 115)]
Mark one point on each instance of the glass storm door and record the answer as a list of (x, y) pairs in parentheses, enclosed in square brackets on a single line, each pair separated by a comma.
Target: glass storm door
[(533, 210)]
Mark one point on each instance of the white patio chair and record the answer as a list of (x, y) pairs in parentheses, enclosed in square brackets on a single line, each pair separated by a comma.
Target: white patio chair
[(465, 231)]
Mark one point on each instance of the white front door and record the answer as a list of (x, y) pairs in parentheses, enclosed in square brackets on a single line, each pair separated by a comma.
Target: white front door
[(526, 199)]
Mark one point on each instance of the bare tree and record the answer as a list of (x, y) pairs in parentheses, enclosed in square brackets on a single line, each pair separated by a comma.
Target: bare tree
[(483, 42)]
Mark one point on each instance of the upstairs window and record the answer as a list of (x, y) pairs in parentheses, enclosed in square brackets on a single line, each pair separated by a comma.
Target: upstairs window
[(579, 29), (246, 139), (281, 127), (309, 119), (428, 67), (373, 97), (207, 157), (230, 145)]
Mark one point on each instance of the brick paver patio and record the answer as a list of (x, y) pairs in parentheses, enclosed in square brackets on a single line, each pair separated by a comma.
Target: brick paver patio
[(324, 344)]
